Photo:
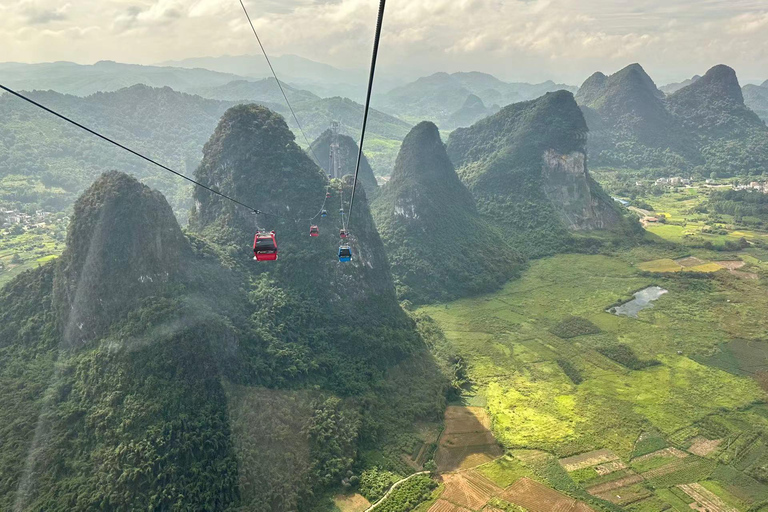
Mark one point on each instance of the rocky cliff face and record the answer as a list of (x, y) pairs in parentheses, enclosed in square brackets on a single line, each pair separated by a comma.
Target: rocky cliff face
[(573, 193), (123, 244), (526, 167)]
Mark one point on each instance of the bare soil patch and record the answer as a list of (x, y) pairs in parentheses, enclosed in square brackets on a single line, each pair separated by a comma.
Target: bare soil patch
[(467, 440), (610, 467), (468, 489), (445, 506), (352, 503), (666, 452), (588, 459), (745, 275), (691, 261), (536, 497), (706, 500), (625, 495), (702, 446), (616, 484), (731, 265)]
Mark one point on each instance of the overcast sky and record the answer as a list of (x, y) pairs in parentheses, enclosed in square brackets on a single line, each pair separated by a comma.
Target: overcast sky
[(525, 40)]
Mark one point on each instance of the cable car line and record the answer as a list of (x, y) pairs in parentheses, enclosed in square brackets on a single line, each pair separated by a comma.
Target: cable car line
[(279, 84), (136, 153), (376, 41)]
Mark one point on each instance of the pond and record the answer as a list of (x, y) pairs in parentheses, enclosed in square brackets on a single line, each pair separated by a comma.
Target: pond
[(643, 300)]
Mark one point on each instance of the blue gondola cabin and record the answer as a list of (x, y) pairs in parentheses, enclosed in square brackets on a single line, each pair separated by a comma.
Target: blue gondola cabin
[(345, 253)]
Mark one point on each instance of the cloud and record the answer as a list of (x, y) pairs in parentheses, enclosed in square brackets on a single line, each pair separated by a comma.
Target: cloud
[(516, 39), (38, 15)]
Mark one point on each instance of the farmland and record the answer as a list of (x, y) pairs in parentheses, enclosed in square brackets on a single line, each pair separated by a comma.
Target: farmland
[(626, 433)]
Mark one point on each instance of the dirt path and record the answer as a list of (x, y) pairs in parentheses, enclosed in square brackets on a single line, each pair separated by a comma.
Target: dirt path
[(394, 486)]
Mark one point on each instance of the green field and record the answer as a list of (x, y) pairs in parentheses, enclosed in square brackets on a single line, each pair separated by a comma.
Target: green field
[(512, 356), (20, 252)]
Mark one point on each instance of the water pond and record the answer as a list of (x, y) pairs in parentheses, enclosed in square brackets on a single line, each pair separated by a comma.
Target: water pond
[(643, 300)]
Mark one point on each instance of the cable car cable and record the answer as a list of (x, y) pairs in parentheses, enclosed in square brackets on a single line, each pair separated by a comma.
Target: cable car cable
[(376, 41), (136, 153), (279, 84)]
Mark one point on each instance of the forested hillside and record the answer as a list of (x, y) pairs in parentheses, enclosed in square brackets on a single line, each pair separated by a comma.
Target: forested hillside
[(161, 123), (47, 163), (146, 369), (438, 244), (701, 128), (526, 168)]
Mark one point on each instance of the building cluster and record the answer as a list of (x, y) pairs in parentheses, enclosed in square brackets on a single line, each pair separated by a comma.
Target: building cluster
[(755, 185), (10, 218), (675, 181)]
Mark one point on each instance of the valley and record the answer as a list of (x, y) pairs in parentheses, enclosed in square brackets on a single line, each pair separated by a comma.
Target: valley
[(659, 413)]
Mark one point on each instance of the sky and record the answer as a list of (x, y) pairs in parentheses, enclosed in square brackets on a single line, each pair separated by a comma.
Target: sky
[(516, 40)]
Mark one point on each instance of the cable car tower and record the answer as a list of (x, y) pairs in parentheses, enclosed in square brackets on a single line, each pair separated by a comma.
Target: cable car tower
[(335, 163)]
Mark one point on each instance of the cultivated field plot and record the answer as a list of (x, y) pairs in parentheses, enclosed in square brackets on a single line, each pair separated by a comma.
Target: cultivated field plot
[(625, 495), (445, 506), (468, 489), (536, 497), (706, 501), (351, 503), (702, 446), (466, 441), (588, 459)]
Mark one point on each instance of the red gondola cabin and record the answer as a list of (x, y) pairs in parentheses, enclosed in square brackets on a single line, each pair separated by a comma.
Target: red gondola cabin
[(265, 246), (343, 233), (314, 231)]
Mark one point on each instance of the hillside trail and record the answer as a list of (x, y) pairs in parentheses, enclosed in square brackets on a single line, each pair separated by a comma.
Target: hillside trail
[(394, 486)]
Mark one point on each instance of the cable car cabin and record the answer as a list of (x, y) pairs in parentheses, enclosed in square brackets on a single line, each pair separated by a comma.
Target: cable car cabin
[(345, 253), (324, 213), (343, 233), (265, 246), (327, 195), (314, 231)]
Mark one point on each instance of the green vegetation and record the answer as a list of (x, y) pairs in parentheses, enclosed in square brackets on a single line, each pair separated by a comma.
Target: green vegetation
[(574, 326), (374, 483), (625, 356), (536, 206), (700, 129), (151, 369), (439, 247), (408, 495)]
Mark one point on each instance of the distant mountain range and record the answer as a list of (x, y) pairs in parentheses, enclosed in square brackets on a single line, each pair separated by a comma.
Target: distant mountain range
[(756, 98), (703, 127), (105, 76), (443, 98)]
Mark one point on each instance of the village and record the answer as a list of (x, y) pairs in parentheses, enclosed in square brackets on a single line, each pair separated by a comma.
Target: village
[(10, 218)]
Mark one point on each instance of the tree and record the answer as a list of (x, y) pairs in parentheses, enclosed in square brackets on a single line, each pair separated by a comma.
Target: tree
[(713, 175), (16, 259)]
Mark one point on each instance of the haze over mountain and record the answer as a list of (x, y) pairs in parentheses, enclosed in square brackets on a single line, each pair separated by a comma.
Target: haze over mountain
[(439, 245), (106, 76), (159, 370), (756, 98), (440, 96), (526, 168), (674, 87), (348, 151), (704, 127)]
